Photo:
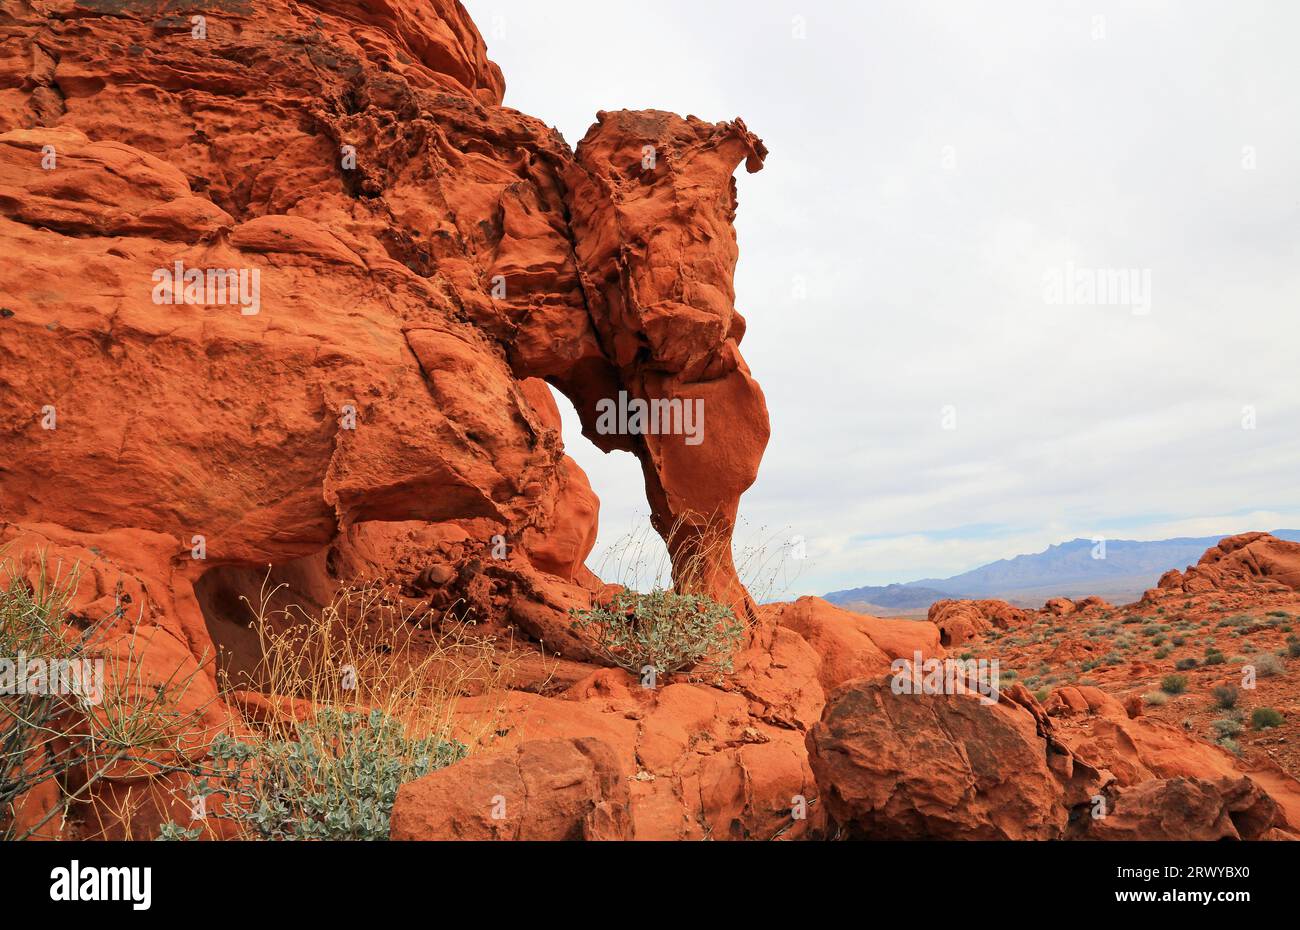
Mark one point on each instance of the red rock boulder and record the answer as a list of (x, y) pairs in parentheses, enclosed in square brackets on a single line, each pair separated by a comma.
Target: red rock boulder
[(1256, 561), (544, 790), (960, 621), (921, 766)]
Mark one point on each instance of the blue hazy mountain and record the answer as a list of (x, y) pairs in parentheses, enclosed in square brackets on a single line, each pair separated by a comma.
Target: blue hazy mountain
[(1066, 569)]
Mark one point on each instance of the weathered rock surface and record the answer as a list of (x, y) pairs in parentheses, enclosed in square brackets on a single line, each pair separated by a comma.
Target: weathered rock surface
[(653, 201), (544, 790), (1184, 809), (959, 621), (903, 766), (1071, 701), (853, 645), (424, 261), (418, 273), (1253, 561), (946, 766), (699, 761)]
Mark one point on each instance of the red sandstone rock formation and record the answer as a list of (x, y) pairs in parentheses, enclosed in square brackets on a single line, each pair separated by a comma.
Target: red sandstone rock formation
[(418, 274), (544, 790), (653, 201), (959, 621), (946, 766), (1186, 809), (853, 645), (906, 766), (1257, 562), (375, 409)]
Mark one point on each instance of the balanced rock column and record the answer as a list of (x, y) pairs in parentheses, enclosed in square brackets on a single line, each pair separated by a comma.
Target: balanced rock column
[(652, 201)]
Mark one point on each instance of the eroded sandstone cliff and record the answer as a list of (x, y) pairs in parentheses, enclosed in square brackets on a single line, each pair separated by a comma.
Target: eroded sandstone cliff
[(421, 255)]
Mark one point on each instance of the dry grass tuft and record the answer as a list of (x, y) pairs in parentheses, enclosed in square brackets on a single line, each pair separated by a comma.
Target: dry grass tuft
[(350, 702)]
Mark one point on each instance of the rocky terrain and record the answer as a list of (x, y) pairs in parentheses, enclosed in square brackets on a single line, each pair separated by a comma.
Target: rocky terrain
[(373, 410), (1227, 614)]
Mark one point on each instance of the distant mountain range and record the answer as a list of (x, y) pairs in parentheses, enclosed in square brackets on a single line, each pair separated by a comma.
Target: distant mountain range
[(1063, 570)]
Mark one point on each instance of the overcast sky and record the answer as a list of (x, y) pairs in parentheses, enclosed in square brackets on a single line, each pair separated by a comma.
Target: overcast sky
[(934, 168)]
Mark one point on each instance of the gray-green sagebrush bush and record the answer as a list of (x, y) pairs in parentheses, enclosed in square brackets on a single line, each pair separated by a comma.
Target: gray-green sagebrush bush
[(337, 781), (663, 630)]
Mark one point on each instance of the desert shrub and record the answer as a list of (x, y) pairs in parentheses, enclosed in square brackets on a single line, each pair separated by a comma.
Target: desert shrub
[(1155, 698), (1173, 684), (1042, 694), (664, 630), (1293, 650), (1264, 717), (1179, 640), (1226, 726), (139, 724), (383, 680), (1231, 745), (1162, 652), (1214, 657), (1183, 664), (1225, 696), (174, 832), (1267, 665), (337, 780), (1280, 614), (107, 721)]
